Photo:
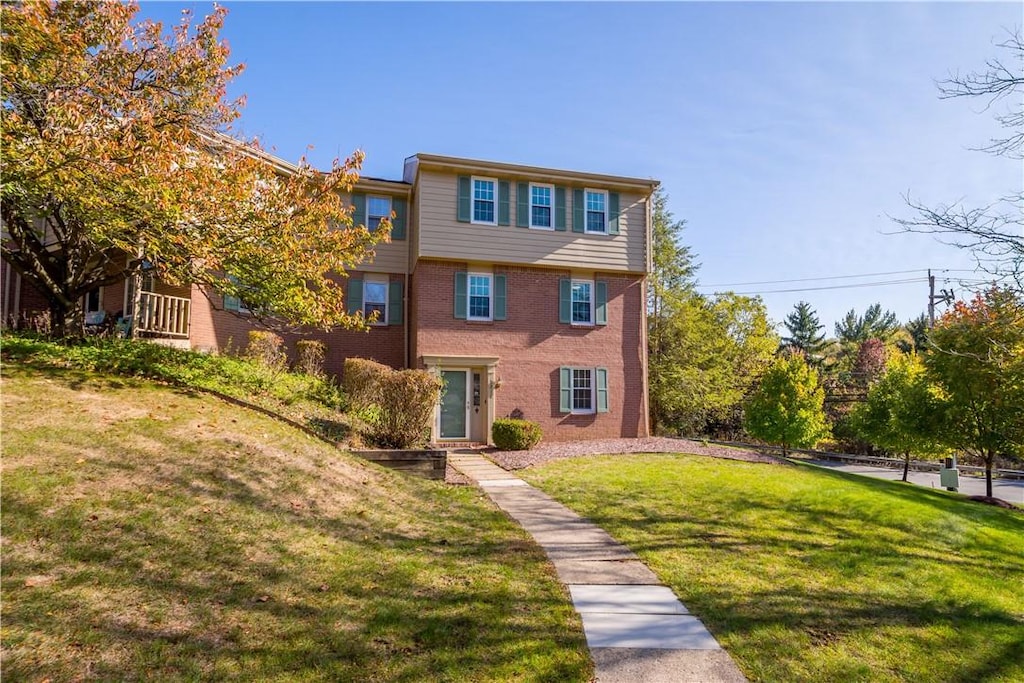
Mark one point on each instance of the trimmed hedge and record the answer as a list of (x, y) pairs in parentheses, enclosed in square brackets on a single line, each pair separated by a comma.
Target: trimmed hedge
[(396, 405), (266, 348), (406, 400), (309, 357), (361, 381), (515, 435)]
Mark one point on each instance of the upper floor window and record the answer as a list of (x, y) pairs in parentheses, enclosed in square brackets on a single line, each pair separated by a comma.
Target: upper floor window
[(375, 300), (596, 206), (484, 196), (540, 206), (479, 296), (377, 209), (582, 302)]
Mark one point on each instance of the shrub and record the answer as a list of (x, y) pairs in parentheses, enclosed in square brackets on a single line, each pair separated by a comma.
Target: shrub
[(265, 348), (309, 357), (510, 434), (406, 401), (361, 381)]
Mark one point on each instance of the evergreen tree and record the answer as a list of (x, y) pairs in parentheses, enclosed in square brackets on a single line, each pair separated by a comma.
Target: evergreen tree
[(918, 331), (803, 327), (874, 323)]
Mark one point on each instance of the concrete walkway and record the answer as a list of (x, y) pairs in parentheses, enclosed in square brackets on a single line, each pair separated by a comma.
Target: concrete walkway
[(636, 628)]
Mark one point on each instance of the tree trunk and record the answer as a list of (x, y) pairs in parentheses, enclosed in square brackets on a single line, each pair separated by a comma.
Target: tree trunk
[(989, 457), (906, 465), (67, 321)]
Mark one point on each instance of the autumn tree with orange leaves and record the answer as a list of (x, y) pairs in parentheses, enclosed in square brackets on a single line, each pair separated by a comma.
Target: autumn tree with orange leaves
[(119, 156), (976, 357)]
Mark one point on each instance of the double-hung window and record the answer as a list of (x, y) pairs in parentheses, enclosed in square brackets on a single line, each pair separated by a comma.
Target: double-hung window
[(596, 205), (377, 209), (375, 300), (480, 296), (582, 302), (484, 200), (541, 203), (582, 390)]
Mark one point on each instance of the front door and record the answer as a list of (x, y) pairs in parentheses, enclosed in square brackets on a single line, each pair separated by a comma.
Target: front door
[(455, 404)]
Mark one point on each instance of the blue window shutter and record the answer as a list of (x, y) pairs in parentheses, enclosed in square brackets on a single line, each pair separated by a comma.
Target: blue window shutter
[(463, 211), (601, 302), (577, 211), (564, 300), (354, 296), (560, 208), (500, 299), (358, 209), (613, 213), (395, 303), (565, 390), (523, 205), (398, 222), (602, 389), (503, 201), (460, 295)]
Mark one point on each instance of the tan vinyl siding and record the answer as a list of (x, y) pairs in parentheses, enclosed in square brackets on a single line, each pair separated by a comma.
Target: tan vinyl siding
[(388, 257), (442, 236)]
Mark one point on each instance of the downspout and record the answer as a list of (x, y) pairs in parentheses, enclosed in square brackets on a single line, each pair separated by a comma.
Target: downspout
[(643, 322), (405, 320), (409, 231)]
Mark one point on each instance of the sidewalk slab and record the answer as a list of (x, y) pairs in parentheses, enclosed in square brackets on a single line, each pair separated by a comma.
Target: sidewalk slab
[(611, 599), (616, 572), (498, 483), (647, 631), (636, 628), (630, 665)]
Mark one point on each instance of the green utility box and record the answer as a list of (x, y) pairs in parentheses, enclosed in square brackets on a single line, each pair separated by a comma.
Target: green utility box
[(949, 477)]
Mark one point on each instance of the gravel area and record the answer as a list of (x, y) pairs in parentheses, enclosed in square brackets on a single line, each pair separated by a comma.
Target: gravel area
[(546, 452)]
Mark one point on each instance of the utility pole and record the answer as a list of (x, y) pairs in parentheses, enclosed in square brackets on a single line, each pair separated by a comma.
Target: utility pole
[(931, 299), (945, 296)]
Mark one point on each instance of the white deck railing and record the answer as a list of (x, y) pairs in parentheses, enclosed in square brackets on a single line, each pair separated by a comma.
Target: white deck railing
[(163, 315)]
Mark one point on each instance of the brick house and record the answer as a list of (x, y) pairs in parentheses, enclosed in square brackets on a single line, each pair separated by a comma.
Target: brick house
[(522, 287)]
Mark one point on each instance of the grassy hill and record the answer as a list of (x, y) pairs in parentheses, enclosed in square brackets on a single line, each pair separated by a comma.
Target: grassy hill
[(155, 533)]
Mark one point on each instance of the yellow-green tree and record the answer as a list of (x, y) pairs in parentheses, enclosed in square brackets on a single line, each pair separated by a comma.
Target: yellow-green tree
[(119, 156), (787, 408), (903, 412)]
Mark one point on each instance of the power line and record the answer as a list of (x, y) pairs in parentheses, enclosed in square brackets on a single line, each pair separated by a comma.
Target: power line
[(834, 277), (907, 281)]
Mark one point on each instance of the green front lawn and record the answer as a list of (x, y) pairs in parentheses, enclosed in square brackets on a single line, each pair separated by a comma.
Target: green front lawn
[(806, 574), (152, 533)]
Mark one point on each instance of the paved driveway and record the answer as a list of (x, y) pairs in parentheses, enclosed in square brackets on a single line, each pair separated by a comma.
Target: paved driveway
[(1010, 490)]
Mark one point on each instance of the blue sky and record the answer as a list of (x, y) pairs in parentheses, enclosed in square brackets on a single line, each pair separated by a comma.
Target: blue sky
[(784, 133)]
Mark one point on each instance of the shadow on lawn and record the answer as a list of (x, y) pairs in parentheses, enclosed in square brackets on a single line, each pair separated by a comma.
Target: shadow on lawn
[(378, 596), (826, 569)]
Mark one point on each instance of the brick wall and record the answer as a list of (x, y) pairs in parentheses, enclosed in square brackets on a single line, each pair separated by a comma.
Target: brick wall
[(214, 329), (533, 345)]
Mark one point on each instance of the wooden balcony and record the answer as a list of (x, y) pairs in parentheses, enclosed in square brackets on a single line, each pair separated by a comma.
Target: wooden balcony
[(163, 316)]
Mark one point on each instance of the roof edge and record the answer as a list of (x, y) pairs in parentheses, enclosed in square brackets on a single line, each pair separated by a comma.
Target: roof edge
[(458, 163)]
